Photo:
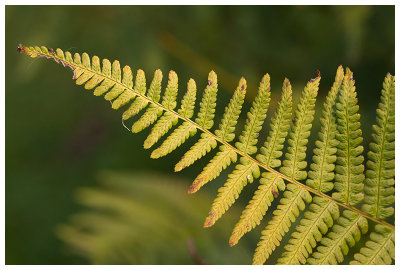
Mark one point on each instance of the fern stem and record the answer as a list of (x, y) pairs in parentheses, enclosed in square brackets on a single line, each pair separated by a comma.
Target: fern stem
[(73, 66)]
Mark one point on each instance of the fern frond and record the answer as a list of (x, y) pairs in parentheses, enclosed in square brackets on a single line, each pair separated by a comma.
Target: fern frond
[(379, 249), (168, 119), (286, 213), (321, 172), (208, 103), (204, 119), (224, 157), (226, 132), (153, 111), (270, 154), (268, 190), (255, 118), (349, 168), (379, 182), (316, 222), (344, 234), (139, 103), (322, 212), (293, 167), (294, 164), (117, 86), (246, 170)]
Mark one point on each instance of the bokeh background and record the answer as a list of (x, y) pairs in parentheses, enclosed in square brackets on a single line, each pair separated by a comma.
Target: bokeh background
[(62, 142)]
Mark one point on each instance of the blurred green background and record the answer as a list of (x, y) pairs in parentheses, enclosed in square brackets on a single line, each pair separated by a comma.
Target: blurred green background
[(59, 137)]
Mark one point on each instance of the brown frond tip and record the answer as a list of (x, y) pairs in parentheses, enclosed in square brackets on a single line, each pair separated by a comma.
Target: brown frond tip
[(316, 78), (195, 186), (51, 55), (21, 48), (209, 220)]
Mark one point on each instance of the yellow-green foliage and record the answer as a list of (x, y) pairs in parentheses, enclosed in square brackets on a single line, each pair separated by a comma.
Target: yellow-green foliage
[(325, 195)]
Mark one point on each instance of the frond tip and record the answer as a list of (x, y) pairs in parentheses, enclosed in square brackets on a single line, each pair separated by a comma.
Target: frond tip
[(379, 182)]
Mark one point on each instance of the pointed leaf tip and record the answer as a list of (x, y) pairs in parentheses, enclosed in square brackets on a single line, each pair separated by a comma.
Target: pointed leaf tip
[(195, 186), (212, 78), (209, 220)]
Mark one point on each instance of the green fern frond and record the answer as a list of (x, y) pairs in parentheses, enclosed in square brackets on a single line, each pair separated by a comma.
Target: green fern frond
[(379, 249), (322, 212), (255, 118), (268, 190), (153, 111), (379, 182), (316, 222), (225, 132), (246, 170), (270, 154), (227, 195), (287, 211), (293, 167), (279, 127), (204, 119), (139, 103), (337, 160), (321, 172), (349, 168), (294, 164), (224, 157), (344, 234), (168, 119)]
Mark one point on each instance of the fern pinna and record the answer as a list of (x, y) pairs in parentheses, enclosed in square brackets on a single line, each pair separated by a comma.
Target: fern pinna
[(322, 198)]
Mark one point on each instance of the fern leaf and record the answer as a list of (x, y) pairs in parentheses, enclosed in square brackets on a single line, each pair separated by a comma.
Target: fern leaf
[(197, 151), (139, 103), (316, 222), (270, 154), (169, 119), (208, 103), (379, 182), (321, 172), (268, 190), (344, 234), (349, 168), (153, 111), (163, 125), (106, 84), (151, 115), (246, 170), (189, 100), (293, 167), (173, 141), (322, 212), (116, 74), (379, 249), (294, 164), (205, 120), (286, 213), (255, 118), (148, 118), (211, 171), (226, 132), (279, 127), (127, 94)]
